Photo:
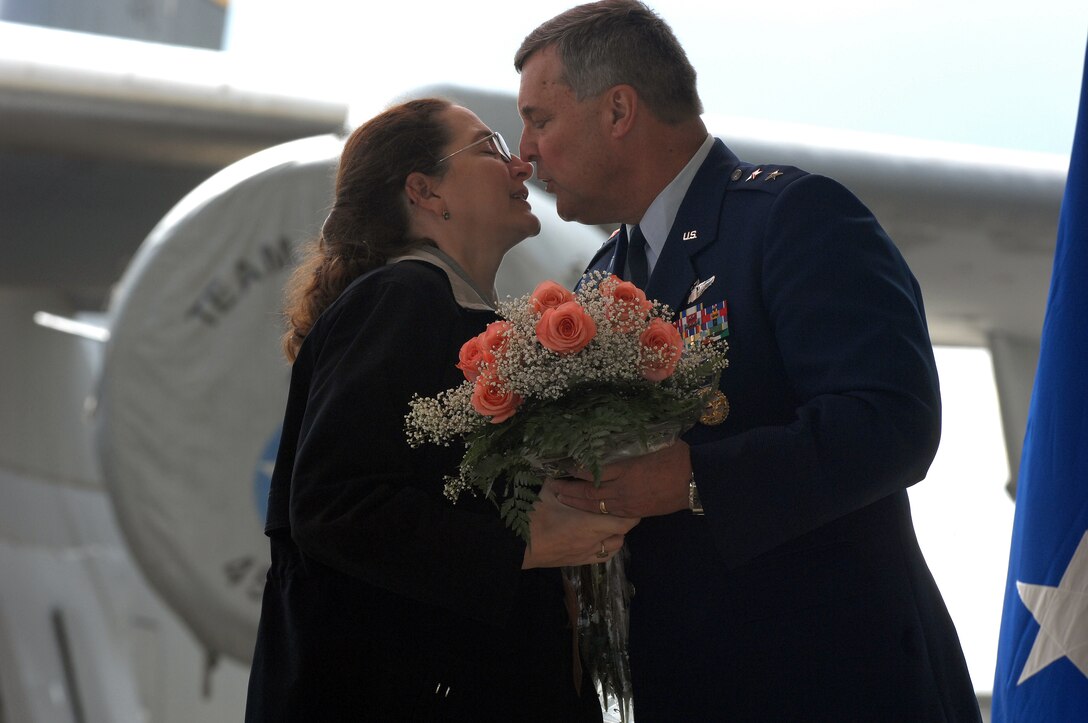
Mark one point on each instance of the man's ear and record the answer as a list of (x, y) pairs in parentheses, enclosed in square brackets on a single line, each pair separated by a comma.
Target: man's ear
[(421, 191), (623, 108)]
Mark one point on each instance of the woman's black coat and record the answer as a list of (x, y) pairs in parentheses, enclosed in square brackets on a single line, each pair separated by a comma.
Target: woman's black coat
[(384, 600)]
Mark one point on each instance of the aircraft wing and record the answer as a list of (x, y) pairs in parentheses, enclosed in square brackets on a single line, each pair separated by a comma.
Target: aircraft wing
[(101, 136)]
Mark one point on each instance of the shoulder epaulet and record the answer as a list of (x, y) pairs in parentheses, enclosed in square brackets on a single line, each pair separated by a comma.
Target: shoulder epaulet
[(767, 178), (605, 247)]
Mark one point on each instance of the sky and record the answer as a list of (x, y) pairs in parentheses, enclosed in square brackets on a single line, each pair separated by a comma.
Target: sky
[(998, 73), (1001, 73)]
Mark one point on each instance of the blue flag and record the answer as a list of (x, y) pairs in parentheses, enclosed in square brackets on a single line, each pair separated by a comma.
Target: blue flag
[(1042, 654)]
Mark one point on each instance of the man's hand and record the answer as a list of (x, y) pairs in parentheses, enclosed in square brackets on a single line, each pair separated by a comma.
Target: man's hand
[(561, 535), (654, 484)]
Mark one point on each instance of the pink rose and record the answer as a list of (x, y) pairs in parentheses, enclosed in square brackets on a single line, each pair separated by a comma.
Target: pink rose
[(566, 329), (470, 356), (493, 338), (628, 307), (549, 295), (661, 347), (608, 284), (493, 398)]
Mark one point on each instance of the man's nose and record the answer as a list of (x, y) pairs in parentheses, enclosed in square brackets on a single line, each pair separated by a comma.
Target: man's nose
[(527, 148)]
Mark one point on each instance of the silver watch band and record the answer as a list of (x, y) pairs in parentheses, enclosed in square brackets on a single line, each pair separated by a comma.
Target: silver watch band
[(694, 503)]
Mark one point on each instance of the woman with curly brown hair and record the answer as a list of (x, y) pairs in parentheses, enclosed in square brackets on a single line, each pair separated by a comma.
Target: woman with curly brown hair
[(384, 601)]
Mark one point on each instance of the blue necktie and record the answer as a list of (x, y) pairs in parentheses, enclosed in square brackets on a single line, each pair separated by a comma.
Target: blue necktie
[(636, 258)]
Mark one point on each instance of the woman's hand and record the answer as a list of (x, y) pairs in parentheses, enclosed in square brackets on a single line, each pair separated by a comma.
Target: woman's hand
[(562, 536)]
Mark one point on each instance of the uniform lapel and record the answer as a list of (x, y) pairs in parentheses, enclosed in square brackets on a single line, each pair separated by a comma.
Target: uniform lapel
[(695, 228), (618, 264)]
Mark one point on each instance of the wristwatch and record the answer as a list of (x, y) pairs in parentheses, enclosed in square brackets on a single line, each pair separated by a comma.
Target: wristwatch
[(694, 504)]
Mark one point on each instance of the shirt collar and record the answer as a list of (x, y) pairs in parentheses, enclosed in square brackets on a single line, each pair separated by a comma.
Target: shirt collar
[(465, 291), (659, 217)]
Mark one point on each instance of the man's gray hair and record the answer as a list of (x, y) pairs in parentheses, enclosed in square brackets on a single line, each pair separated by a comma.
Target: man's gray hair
[(615, 42)]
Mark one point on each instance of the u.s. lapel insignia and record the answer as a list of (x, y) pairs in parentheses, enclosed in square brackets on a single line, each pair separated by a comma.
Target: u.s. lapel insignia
[(699, 288), (691, 235), (716, 409)]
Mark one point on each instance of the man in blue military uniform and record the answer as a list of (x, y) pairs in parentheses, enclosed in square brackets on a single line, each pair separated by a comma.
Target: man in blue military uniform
[(776, 571)]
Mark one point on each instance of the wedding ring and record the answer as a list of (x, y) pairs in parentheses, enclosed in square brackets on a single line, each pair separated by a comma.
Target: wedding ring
[(604, 510), (603, 553)]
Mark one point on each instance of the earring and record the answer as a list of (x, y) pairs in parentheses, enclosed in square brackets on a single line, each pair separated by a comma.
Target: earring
[(446, 215)]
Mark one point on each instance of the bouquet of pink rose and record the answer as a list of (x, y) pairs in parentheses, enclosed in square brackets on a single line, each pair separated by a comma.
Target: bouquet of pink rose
[(569, 380), (558, 382)]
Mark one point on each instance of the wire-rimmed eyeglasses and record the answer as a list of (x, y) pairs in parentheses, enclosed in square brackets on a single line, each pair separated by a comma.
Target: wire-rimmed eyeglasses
[(498, 144)]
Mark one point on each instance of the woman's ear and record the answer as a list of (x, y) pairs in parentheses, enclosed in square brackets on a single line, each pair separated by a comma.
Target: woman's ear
[(421, 191)]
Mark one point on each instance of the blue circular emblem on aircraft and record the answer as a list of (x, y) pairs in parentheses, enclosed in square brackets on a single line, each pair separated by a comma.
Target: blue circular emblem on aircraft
[(262, 476)]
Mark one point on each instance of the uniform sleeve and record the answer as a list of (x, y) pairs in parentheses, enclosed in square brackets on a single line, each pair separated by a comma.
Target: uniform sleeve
[(362, 501), (847, 318)]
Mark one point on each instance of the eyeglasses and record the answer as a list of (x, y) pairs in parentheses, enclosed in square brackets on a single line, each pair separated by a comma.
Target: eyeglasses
[(497, 144)]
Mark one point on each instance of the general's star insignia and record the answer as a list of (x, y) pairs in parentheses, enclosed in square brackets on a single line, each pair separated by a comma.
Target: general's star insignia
[(1062, 614), (754, 174), (772, 175)]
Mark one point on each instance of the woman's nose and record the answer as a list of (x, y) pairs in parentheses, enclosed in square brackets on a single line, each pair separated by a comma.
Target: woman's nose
[(520, 168)]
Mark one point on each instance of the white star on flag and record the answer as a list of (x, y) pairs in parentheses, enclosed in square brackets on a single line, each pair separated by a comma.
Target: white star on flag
[(1062, 614)]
